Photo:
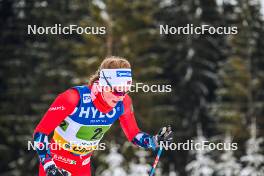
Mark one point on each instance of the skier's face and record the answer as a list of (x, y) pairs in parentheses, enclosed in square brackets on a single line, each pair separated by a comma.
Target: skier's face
[(111, 99)]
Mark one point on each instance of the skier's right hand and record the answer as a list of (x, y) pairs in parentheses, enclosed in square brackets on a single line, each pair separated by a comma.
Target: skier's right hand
[(52, 170)]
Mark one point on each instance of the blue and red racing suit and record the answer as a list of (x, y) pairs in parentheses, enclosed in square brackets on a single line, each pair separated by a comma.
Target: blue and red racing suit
[(79, 123)]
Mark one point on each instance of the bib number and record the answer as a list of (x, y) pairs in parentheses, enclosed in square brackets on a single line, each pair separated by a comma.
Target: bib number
[(97, 134), (91, 133)]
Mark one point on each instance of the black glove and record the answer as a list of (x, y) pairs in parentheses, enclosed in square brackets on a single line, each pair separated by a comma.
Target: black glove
[(52, 170), (65, 173), (165, 135)]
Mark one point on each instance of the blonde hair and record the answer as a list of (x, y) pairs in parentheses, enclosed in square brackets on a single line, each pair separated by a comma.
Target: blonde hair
[(110, 62)]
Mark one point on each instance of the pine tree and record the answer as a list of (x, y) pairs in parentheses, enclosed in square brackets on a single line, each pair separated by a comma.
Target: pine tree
[(34, 69), (114, 161), (202, 165), (254, 159), (228, 166), (239, 97), (141, 168), (121, 38), (172, 171), (189, 63), (228, 110)]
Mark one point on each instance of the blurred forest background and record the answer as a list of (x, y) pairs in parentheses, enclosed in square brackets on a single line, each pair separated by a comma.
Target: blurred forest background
[(217, 80)]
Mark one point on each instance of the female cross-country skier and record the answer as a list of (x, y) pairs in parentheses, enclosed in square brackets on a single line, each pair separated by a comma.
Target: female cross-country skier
[(80, 116)]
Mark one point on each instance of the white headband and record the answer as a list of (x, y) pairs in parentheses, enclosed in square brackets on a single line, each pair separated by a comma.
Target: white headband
[(116, 77)]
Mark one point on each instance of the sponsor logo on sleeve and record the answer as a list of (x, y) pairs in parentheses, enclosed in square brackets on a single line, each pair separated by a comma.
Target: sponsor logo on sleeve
[(57, 108)]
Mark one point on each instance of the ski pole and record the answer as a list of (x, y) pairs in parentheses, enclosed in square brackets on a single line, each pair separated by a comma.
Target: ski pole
[(152, 171)]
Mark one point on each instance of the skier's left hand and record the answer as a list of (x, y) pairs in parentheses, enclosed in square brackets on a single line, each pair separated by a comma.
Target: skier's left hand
[(165, 135)]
